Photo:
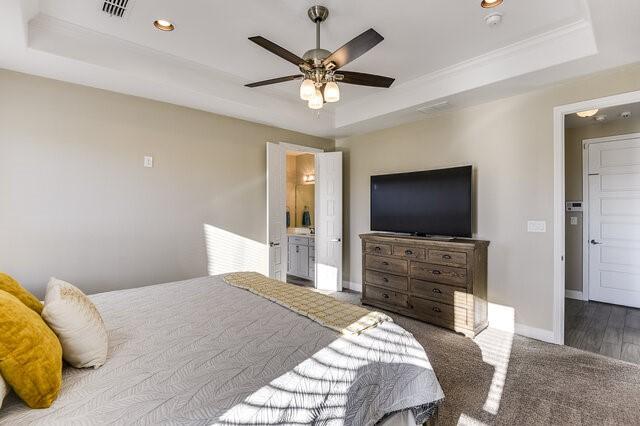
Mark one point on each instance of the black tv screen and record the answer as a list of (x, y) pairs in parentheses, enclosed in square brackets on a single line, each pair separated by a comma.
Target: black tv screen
[(432, 202)]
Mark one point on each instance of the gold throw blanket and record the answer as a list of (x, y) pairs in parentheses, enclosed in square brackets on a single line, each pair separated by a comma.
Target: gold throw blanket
[(325, 310)]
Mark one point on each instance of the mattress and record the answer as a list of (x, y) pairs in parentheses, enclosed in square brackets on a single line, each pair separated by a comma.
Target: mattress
[(202, 352)]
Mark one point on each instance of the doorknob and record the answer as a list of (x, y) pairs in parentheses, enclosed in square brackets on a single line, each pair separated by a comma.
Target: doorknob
[(272, 244), (335, 240), (594, 242)]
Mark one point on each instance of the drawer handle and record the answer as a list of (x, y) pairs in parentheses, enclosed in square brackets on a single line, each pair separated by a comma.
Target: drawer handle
[(436, 272), (408, 252), (385, 263), (446, 256), (377, 248), (436, 309), (385, 295), (436, 290), (385, 279)]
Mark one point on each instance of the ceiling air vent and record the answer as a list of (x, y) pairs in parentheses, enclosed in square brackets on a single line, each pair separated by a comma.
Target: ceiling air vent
[(115, 7), (434, 107)]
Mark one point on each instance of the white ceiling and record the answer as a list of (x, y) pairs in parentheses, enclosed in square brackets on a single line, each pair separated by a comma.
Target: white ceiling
[(435, 49), (610, 114)]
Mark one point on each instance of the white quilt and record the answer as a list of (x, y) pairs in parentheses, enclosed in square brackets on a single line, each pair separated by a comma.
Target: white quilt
[(203, 352)]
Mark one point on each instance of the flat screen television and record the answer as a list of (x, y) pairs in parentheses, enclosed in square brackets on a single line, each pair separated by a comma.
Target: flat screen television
[(432, 202)]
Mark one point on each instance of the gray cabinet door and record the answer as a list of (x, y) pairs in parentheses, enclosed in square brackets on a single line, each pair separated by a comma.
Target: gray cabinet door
[(292, 260), (302, 253)]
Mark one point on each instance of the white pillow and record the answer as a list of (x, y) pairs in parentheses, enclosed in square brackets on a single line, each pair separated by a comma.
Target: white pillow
[(78, 324), (4, 390)]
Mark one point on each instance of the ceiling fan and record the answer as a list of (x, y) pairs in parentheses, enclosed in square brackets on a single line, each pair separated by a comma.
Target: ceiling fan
[(319, 67)]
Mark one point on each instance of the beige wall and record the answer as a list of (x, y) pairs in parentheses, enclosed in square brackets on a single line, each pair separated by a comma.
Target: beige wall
[(510, 144), (77, 203), (573, 190)]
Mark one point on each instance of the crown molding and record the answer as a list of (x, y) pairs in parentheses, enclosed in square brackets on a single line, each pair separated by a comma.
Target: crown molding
[(561, 45), (178, 80)]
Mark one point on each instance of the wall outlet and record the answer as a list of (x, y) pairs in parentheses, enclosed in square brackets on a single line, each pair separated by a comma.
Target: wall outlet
[(536, 226), (148, 161), (573, 220)]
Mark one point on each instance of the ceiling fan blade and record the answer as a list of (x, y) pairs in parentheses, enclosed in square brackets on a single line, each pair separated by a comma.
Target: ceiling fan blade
[(363, 79), (354, 49), (277, 50), (275, 80)]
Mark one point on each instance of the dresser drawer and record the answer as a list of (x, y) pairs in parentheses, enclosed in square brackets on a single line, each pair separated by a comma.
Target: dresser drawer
[(452, 258), (453, 317), (409, 252), (439, 273), (375, 248), (385, 264), (386, 280), (386, 296), (300, 241), (440, 292)]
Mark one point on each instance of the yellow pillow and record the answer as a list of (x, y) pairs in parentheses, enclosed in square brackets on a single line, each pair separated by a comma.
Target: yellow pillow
[(30, 353), (13, 287)]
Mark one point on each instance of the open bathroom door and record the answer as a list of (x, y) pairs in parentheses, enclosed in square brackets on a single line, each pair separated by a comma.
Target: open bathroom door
[(329, 221), (276, 211)]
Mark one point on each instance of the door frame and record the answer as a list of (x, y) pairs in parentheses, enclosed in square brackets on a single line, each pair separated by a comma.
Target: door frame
[(585, 203), (559, 205), (287, 146)]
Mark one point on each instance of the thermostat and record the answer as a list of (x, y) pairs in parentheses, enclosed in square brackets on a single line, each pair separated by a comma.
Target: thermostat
[(574, 206)]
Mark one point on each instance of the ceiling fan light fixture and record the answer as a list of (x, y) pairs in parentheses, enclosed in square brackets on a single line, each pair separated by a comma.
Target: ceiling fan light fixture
[(307, 89), (163, 25), (331, 92), (588, 113), (487, 4), (316, 100)]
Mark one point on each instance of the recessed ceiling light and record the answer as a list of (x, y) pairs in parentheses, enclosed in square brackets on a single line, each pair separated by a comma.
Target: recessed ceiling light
[(163, 25), (487, 4), (589, 113)]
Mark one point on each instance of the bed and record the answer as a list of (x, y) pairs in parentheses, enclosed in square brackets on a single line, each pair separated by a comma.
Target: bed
[(204, 352)]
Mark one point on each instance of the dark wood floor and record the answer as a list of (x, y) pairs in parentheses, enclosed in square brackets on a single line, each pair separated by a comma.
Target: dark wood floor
[(602, 328), (299, 281)]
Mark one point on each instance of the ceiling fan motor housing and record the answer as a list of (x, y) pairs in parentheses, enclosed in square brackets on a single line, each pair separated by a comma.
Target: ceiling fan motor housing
[(316, 55)]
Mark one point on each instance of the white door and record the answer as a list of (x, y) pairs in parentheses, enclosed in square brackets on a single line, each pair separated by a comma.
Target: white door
[(614, 221), (329, 221), (276, 211)]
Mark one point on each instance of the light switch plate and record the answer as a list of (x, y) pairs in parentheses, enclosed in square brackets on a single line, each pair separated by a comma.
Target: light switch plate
[(148, 161), (536, 226), (574, 220)]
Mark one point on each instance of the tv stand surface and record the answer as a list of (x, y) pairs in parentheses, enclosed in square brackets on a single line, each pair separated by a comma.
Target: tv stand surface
[(424, 237), (433, 237), (443, 282)]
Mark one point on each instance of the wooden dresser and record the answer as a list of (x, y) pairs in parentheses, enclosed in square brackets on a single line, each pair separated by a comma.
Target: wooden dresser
[(440, 282)]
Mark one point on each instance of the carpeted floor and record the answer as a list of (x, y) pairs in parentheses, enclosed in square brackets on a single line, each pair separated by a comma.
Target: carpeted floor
[(499, 378)]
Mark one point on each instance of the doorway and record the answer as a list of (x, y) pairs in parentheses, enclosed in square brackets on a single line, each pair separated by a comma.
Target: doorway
[(602, 231), (304, 215), (300, 217)]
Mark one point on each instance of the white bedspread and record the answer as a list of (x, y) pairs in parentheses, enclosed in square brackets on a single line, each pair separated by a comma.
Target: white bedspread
[(203, 352)]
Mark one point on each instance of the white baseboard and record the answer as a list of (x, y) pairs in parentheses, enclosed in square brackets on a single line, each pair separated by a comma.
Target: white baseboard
[(573, 294), (352, 286), (534, 333)]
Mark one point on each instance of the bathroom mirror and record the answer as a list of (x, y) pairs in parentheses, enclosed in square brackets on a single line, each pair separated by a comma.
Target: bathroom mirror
[(305, 204)]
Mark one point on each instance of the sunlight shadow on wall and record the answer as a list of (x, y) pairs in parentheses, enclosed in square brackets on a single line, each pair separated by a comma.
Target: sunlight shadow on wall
[(229, 252)]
